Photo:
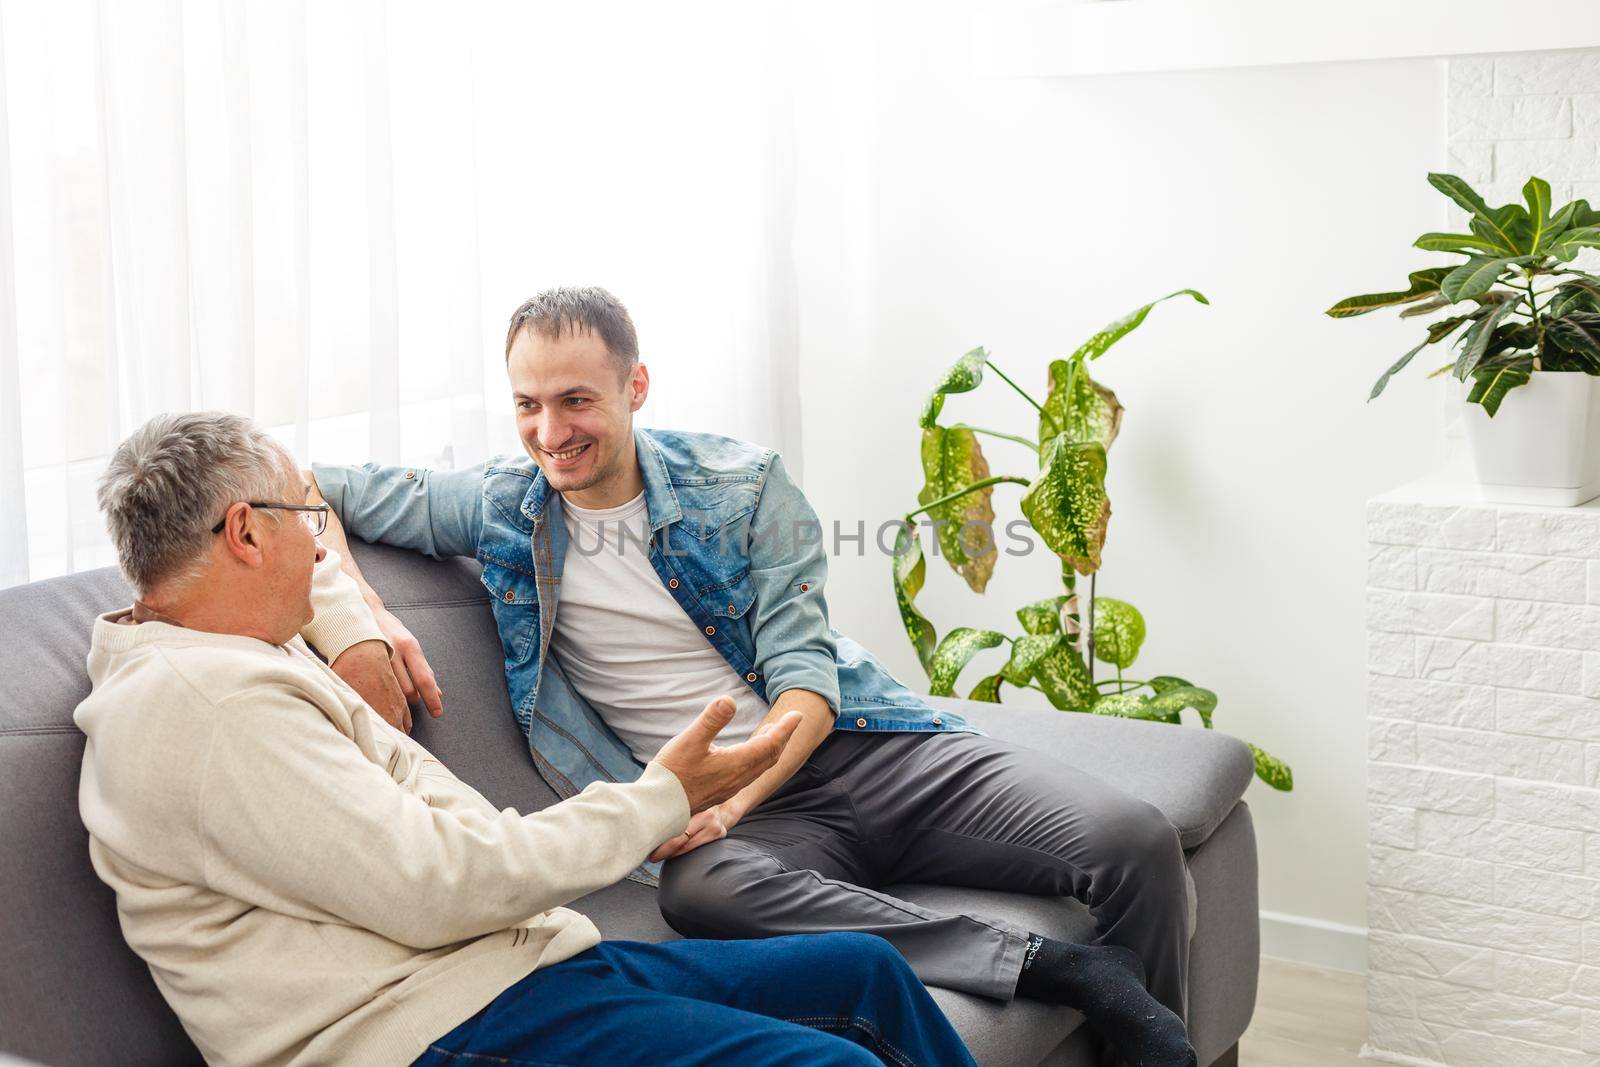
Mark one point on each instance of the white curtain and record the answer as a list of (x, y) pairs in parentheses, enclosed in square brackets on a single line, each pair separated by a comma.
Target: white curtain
[(322, 214)]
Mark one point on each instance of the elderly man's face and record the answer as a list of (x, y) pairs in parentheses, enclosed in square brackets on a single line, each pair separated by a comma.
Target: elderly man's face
[(291, 550)]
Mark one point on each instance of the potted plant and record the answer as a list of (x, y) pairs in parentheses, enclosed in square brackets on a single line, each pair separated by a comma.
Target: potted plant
[(1525, 324), (1066, 504)]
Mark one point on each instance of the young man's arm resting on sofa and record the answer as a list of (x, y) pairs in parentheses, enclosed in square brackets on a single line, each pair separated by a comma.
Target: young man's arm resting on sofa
[(345, 631), (391, 678), (437, 514)]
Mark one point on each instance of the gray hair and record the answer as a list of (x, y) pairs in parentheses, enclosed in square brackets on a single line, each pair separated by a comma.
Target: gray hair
[(576, 310), (170, 482)]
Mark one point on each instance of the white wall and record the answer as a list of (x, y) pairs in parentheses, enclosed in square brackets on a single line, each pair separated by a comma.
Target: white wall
[(948, 211)]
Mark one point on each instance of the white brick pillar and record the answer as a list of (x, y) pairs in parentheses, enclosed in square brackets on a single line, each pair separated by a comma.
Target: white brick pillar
[(1514, 116), (1483, 705)]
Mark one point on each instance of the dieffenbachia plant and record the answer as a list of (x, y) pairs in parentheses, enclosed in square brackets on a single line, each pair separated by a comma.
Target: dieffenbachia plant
[(1523, 308), (1066, 504)]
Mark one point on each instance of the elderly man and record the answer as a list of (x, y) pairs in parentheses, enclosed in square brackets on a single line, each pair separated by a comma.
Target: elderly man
[(308, 885)]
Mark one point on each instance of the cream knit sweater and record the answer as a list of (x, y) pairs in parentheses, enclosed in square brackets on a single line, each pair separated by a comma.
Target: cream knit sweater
[(306, 883)]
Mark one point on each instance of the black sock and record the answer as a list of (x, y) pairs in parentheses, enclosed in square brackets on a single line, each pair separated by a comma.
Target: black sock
[(1106, 983)]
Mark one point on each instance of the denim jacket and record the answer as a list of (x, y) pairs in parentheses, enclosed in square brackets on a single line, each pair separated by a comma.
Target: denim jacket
[(732, 538)]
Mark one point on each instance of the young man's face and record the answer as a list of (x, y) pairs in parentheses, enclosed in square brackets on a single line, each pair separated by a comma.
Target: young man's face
[(574, 408)]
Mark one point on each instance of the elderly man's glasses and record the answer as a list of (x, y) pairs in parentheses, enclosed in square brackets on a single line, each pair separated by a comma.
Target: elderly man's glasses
[(314, 515)]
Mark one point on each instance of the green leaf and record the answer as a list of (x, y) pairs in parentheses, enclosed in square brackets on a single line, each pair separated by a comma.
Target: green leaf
[(1573, 296), (1578, 213), (1042, 616), (1026, 652), (952, 460), (1497, 225), (987, 690), (1064, 677), (1077, 406), (1537, 194), (1423, 283), (1466, 243), (1162, 683), (1491, 387), (1475, 342), (1477, 275), (1067, 503), (1437, 332), (953, 653), (1562, 219), (909, 572), (962, 377), (1096, 346), (1459, 191), (1272, 770), (1569, 244), (1132, 706), (1173, 701), (1427, 307), (1578, 333), (1118, 631), (1398, 366)]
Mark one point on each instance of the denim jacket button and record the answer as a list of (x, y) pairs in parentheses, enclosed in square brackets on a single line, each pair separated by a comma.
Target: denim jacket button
[(938, 722), (804, 586), (732, 610), (750, 677), (672, 583), (410, 475), (510, 596), (861, 723), (710, 630)]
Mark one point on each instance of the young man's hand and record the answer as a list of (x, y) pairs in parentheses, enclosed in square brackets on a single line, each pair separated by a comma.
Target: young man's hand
[(365, 667), (710, 773), (412, 674), (705, 827)]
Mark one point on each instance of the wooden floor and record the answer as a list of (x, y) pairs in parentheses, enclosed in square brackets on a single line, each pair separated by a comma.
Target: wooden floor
[(1306, 1017)]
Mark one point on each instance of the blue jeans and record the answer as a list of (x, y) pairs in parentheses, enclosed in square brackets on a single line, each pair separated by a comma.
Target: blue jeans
[(809, 1000)]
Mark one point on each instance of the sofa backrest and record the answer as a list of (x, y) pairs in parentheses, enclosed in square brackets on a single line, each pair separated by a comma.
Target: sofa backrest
[(71, 991)]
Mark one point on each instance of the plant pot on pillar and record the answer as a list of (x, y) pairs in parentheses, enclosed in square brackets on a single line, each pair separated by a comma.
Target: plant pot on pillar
[(1543, 446), (1526, 327)]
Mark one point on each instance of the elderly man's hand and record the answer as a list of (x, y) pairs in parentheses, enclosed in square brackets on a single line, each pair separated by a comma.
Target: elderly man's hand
[(712, 773), (365, 667)]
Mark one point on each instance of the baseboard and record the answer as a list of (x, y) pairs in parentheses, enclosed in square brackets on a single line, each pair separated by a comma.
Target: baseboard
[(1314, 941), (1370, 1053)]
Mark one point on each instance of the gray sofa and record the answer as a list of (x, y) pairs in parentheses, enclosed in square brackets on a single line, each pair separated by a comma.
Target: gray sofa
[(71, 992)]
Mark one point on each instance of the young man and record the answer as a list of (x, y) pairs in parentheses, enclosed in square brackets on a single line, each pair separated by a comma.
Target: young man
[(309, 886), (637, 573)]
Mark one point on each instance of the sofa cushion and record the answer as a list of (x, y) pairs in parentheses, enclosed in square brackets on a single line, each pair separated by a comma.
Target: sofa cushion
[(1194, 776), (71, 990)]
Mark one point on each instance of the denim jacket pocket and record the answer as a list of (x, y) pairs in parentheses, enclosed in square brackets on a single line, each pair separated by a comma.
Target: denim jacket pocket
[(729, 599), (516, 611)]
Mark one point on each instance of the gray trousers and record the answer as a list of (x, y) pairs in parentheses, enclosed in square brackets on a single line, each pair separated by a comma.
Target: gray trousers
[(872, 809)]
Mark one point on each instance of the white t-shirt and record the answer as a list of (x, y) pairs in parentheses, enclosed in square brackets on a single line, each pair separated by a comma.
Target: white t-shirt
[(627, 646)]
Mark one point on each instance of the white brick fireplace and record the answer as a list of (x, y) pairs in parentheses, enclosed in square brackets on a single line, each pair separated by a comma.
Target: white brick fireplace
[(1483, 705)]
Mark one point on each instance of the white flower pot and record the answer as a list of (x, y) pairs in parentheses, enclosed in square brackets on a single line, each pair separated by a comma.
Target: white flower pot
[(1543, 445)]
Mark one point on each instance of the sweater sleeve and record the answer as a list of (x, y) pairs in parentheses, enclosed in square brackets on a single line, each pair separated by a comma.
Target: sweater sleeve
[(292, 814), (341, 618)]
